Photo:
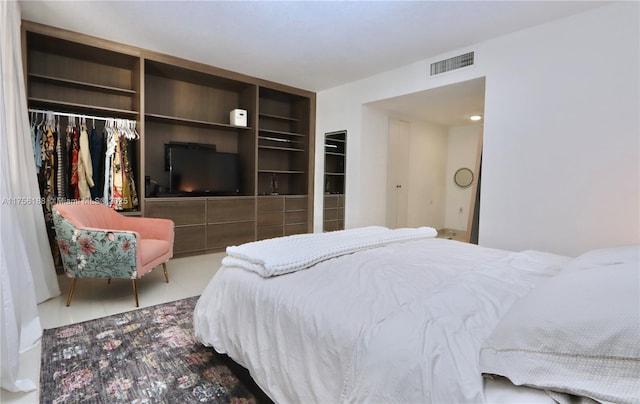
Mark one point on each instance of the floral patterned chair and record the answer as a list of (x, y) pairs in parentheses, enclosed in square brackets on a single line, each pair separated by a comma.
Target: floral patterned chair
[(97, 242)]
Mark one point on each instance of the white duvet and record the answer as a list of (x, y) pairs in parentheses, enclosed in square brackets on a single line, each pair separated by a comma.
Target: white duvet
[(282, 255), (401, 323)]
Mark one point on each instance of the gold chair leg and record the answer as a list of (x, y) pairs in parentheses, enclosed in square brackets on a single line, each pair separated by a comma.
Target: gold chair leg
[(166, 275), (135, 291), (70, 295)]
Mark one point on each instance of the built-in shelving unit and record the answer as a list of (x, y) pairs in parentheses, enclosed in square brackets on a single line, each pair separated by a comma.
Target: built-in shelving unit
[(334, 180), (283, 143), (183, 104), (176, 100)]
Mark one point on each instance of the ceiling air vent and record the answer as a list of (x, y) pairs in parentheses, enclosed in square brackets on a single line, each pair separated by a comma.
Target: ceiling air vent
[(453, 63)]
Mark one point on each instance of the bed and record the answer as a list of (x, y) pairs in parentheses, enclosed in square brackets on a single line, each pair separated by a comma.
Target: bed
[(380, 315)]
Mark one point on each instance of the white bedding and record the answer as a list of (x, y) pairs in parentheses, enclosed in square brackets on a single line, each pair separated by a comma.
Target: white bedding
[(399, 323), (282, 255)]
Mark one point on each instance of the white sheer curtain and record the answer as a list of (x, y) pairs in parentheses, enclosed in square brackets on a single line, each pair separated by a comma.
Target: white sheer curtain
[(26, 267)]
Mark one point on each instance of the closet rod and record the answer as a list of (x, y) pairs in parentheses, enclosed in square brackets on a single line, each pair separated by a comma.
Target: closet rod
[(67, 114)]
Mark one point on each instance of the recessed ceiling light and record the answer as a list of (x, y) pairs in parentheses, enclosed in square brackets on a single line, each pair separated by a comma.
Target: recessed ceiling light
[(475, 117)]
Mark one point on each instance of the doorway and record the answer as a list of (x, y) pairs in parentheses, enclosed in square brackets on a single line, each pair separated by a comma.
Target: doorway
[(433, 127)]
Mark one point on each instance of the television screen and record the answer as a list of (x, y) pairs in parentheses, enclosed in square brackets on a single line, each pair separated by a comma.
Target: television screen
[(198, 169)]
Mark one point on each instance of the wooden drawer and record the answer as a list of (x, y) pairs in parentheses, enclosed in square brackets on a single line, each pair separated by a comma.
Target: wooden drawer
[(270, 232), (189, 238), (270, 219), (230, 210), (331, 225), (182, 212), (295, 203), (330, 201), (224, 235), (297, 216), (330, 214), (295, 229), (341, 201), (270, 204)]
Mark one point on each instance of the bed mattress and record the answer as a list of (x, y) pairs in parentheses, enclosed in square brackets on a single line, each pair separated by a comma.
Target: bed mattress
[(399, 323)]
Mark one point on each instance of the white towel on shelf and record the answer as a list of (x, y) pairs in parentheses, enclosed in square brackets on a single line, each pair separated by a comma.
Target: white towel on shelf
[(282, 255)]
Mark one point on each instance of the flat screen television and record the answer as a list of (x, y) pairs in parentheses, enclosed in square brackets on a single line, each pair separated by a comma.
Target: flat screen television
[(198, 169)]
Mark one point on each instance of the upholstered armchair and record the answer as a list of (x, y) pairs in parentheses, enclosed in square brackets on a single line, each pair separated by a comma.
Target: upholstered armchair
[(97, 242)]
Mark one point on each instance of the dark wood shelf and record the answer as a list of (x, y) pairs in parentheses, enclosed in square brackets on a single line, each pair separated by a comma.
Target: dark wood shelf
[(193, 122), (62, 106), (332, 173), (282, 133), (281, 171), (279, 117), (289, 149), (81, 84)]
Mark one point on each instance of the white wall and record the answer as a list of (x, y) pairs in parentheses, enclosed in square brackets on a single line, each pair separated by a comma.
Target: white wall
[(561, 147), (462, 152)]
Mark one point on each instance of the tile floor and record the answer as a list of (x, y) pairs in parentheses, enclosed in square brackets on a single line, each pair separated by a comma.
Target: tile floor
[(94, 298)]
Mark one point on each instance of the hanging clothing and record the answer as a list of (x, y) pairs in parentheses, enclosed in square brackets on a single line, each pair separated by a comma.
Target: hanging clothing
[(108, 163), (85, 168), (97, 160), (133, 194), (116, 173), (61, 160), (75, 149), (76, 165), (47, 178)]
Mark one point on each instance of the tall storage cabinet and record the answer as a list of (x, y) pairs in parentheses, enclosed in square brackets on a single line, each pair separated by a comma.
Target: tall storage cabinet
[(335, 151), (176, 100)]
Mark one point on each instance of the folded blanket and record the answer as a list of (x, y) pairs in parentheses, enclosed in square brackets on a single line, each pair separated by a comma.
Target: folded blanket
[(282, 255)]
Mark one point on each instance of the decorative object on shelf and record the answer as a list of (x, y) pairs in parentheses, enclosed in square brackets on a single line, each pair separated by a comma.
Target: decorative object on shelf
[(463, 177), (238, 117)]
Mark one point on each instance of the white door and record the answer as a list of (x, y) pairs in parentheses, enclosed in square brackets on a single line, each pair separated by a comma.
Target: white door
[(398, 173)]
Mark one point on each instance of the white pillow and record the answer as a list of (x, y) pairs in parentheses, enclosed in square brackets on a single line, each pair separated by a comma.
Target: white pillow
[(605, 256), (578, 333)]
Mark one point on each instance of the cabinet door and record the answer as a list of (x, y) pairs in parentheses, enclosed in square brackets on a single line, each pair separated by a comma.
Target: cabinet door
[(189, 239), (270, 217), (181, 211), (296, 215), (188, 215), (230, 210), (220, 236)]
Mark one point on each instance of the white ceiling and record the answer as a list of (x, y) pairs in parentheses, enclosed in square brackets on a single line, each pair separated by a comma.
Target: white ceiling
[(313, 45), (450, 105)]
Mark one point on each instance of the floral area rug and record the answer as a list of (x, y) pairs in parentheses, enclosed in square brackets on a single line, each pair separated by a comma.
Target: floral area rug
[(148, 355)]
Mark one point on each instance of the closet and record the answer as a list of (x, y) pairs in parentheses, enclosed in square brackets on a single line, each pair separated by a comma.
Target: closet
[(77, 159), (172, 100)]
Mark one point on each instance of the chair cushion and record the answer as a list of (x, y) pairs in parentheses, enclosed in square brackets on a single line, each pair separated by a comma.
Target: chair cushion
[(151, 250)]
